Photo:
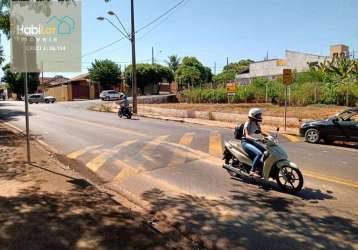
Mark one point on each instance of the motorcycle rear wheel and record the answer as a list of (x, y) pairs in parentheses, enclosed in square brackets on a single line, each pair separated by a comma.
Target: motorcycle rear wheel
[(287, 177)]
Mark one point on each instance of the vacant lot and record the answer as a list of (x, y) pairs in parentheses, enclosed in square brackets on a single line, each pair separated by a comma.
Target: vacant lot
[(309, 112)]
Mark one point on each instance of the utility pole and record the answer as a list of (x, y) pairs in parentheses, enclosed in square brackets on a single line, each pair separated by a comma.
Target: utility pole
[(134, 66), (227, 61), (152, 55), (42, 77), (215, 68)]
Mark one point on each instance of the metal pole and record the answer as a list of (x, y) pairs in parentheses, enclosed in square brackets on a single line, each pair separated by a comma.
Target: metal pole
[(266, 98), (286, 88), (42, 77), (347, 96), (152, 55), (134, 66), (27, 120), (27, 110)]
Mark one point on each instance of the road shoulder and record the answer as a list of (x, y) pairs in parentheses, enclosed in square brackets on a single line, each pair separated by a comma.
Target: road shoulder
[(44, 205)]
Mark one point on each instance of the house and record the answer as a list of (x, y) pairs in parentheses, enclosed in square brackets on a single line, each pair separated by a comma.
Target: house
[(298, 61), (79, 87)]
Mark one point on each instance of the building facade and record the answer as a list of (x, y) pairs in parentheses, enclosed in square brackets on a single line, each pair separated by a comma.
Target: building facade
[(299, 62)]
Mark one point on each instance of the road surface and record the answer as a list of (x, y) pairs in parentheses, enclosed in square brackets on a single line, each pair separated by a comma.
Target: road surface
[(174, 169)]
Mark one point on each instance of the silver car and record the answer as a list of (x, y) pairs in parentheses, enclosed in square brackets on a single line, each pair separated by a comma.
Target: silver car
[(108, 95), (38, 98)]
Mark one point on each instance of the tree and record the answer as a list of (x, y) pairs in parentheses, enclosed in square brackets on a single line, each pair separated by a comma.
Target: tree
[(230, 71), (149, 75), (239, 66), (16, 81), (173, 62), (2, 59), (192, 71), (106, 72), (188, 76)]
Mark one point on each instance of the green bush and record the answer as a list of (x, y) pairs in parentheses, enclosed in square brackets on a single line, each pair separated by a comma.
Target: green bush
[(301, 93)]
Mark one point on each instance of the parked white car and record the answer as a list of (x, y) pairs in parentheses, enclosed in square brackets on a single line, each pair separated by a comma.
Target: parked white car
[(108, 95)]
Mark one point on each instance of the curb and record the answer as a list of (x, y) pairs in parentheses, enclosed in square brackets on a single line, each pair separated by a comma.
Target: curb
[(221, 124)]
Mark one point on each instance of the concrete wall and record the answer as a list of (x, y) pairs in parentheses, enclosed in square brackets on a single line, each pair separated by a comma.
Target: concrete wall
[(273, 68), (216, 116), (156, 99), (300, 61)]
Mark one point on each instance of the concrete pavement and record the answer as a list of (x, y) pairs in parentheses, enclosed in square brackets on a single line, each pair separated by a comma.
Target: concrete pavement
[(175, 168)]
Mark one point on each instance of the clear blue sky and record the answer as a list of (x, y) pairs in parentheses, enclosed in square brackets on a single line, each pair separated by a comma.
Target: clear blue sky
[(212, 30)]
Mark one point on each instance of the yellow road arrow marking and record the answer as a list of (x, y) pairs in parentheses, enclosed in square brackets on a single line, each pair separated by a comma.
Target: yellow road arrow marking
[(151, 145), (126, 170), (78, 153), (187, 139), (215, 144), (101, 159)]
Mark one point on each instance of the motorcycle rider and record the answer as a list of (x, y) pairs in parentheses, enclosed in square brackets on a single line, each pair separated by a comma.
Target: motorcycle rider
[(249, 140), (123, 103)]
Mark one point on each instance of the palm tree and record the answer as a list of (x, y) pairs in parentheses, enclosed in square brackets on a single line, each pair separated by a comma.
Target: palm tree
[(173, 62)]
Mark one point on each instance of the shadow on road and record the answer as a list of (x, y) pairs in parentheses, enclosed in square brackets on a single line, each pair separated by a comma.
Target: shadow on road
[(8, 114), (257, 220), (353, 145), (313, 195), (42, 208)]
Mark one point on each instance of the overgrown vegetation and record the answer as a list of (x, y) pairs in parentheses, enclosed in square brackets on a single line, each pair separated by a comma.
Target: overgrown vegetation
[(331, 82)]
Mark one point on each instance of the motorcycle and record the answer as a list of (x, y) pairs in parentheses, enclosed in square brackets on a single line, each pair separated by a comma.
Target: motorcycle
[(127, 112), (276, 164)]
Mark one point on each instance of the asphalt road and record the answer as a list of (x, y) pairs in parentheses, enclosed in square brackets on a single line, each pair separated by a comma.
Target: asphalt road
[(175, 168)]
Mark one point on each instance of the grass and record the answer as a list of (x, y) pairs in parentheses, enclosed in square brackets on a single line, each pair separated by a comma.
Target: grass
[(308, 112)]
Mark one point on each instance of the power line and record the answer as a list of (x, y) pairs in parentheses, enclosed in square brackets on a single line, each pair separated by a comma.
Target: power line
[(140, 29), (102, 48), (161, 16)]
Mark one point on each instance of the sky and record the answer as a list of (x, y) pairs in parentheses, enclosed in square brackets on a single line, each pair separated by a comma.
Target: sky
[(214, 30)]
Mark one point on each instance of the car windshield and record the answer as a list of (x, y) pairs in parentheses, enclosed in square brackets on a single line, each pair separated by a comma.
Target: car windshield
[(346, 115)]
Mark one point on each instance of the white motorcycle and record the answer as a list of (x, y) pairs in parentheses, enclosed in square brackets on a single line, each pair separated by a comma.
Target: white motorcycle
[(276, 164)]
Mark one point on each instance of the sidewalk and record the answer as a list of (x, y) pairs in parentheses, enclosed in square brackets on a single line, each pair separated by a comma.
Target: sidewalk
[(43, 205)]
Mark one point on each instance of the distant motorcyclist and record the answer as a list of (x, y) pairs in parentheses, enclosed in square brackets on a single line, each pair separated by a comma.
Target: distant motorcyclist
[(249, 141), (123, 103)]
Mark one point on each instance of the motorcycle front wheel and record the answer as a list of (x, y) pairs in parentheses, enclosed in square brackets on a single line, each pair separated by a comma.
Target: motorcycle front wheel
[(290, 179)]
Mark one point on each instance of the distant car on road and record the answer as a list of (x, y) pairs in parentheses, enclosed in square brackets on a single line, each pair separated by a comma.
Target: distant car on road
[(340, 127), (38, 98), (108, 95)]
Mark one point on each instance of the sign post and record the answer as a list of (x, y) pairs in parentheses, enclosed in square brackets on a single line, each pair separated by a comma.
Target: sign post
[(42, 40), (230, 90), (287, 80)]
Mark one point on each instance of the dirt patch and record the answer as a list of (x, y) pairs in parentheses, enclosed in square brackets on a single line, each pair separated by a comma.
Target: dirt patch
[(309, 112), (43, 205)]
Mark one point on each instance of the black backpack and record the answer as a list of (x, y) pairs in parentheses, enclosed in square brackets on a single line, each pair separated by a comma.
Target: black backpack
[(239, 131)]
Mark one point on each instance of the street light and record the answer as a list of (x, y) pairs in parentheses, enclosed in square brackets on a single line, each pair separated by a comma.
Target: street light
[(131, 38), (111, 13)]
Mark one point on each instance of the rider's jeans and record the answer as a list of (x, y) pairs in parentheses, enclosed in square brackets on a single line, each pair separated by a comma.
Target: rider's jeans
[(255, 151)]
